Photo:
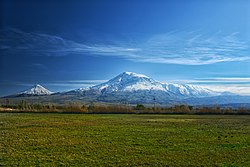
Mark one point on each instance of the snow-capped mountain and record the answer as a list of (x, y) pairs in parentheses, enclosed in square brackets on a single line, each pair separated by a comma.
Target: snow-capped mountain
[(36, 90), (132, 82), (129, 87)]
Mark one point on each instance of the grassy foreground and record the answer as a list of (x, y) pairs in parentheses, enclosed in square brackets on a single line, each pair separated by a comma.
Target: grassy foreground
[(28, 139)]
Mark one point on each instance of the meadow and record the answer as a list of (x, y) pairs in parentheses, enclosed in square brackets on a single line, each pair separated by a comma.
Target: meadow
[(56, 139)]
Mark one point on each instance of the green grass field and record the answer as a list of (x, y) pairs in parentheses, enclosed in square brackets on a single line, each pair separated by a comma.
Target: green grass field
[(124, 140)]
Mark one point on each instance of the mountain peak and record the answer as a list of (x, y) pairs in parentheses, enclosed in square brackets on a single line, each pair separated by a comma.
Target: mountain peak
[(38, 86), (134, 74), (37, 89), (132, 82)]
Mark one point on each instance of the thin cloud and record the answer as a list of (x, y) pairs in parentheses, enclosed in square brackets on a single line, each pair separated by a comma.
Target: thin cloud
[(71, 85), (216, 80), (58, 86), (75, 84), (194, 49), (185, 48), (39, 66), (78, 83), (235, 85), (225, 79), (233, 88), (85, 81)]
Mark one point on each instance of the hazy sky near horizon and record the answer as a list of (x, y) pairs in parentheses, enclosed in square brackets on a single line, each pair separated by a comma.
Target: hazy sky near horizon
[(68, 44)]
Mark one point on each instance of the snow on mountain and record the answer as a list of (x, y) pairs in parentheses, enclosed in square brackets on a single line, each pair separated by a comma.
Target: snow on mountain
[(133, 88), (36, 90), (189, 90), (82, 89), (132, 82)]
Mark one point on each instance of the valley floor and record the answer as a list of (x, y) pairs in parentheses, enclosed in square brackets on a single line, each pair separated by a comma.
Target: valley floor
[(35, 139)]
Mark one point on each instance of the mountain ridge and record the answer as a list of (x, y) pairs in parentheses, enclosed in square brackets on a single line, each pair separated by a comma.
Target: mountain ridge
[(133, 88), (132, 82)]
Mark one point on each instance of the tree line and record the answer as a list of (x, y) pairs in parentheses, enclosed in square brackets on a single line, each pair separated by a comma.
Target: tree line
[(96, 108)]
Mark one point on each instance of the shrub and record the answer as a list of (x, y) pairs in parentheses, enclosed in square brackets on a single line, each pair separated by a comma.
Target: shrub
[(139, 107)]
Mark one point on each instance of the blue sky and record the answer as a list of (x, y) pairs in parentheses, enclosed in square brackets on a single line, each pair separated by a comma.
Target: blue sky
[(70, 44)]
